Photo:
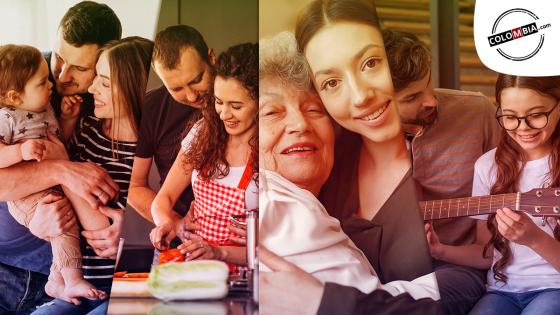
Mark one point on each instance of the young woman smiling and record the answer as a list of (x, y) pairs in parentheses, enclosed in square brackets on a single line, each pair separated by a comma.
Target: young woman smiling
[(219, 156), (370, 190)]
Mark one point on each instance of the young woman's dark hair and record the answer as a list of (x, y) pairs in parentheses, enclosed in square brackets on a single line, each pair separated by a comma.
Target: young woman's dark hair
[(207, 153), (510, 161), (320, 13)]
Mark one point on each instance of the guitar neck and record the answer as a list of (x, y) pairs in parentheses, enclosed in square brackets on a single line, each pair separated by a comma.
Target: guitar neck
[(468, 206)]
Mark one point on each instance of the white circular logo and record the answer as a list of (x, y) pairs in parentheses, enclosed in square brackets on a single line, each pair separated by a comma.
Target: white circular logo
[(517, 34)]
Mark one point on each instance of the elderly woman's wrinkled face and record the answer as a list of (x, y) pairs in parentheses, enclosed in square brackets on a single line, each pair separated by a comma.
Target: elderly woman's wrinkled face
[(296, 137)]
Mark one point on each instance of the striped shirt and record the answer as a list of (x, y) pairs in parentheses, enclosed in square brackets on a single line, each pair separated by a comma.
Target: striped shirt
[(91, 145)]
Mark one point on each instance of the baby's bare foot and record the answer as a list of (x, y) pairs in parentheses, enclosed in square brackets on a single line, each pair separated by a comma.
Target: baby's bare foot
[(54, 288), (81, 289)]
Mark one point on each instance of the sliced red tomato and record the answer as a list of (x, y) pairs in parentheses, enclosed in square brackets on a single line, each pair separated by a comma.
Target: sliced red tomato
[(170, 255), (137, 275)]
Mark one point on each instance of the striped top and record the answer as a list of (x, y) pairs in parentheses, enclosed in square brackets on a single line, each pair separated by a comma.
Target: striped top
[(90, 145)]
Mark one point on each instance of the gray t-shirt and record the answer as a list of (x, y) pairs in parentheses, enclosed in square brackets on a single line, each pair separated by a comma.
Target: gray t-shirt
[(17, 124)]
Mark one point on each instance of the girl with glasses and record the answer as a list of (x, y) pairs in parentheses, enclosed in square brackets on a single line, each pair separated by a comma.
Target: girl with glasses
[(525, 261)]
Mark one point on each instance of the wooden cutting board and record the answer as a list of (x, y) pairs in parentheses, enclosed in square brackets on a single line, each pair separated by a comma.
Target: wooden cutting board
[(130, 287)]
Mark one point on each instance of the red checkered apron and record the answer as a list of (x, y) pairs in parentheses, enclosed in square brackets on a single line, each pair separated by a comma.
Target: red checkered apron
[(214, 203)]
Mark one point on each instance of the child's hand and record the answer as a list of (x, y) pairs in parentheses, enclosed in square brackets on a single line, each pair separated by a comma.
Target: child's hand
[(433, 241), (33, 149), (517, 227), (55, 149), (70, 106)]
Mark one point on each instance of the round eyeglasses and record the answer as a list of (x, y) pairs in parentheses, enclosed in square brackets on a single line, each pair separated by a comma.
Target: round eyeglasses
[(534, 120)]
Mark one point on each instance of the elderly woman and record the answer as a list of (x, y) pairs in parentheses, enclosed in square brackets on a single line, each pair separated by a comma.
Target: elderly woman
[(296, 150), (296, 157)]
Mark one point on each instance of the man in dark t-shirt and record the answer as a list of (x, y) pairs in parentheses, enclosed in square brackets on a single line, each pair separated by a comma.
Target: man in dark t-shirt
[(25, 256), (184, 63)]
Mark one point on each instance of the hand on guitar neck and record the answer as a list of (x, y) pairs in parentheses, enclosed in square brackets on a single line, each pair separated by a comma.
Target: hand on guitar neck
[(518, 227), (515, 226)]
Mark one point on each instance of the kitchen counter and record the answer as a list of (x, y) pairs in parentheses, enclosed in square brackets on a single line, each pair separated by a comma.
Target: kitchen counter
[(233, 304)]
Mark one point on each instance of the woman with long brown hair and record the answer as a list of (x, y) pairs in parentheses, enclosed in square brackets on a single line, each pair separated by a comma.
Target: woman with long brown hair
[(525, 262), (108, 139), (370, 189), (219, 156)]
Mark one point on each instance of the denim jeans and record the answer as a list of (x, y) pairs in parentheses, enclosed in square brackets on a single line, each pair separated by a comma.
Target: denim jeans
[(21, 290), (59, 307), (460, 287), (538, 302)]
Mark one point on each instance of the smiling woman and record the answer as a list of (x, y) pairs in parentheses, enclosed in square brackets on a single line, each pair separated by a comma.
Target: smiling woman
[(219, 156), (371, 188), (297, 152)]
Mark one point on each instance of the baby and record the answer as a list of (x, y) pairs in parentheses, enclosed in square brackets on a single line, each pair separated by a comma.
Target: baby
[(27, 123)]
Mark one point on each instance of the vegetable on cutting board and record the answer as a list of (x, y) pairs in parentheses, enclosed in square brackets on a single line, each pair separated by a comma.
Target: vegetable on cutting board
[(193, 280)]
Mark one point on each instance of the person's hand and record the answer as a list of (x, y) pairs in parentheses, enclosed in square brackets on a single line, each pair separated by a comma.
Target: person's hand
[(434, 244), (90, 182), (197, 248), (70, 107), (55, 149), (187, 225), (240, 230), (33, 149), (105, 242), (517, 227), (162, 235), (287, 289), (53, 217)]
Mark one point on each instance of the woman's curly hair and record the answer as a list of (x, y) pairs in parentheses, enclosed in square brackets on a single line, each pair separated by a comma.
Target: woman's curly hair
[(207, 152)]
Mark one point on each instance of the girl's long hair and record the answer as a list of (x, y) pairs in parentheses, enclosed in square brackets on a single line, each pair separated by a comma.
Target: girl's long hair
[(207, 151), (511, 159)]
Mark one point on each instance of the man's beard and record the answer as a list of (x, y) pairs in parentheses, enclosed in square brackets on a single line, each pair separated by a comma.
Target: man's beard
[(425, 118)]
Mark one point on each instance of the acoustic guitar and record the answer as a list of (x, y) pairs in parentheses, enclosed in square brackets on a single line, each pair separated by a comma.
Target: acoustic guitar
[(539, 202)]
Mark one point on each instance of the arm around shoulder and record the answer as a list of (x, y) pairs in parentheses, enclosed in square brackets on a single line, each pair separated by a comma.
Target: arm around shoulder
[(339, 299)]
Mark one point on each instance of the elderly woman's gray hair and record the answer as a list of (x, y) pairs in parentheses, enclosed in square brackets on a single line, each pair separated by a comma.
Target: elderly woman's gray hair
[(279, 59)]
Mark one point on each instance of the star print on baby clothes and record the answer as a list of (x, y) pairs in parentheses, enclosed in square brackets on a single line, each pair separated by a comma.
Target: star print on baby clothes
[(24, 124)]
